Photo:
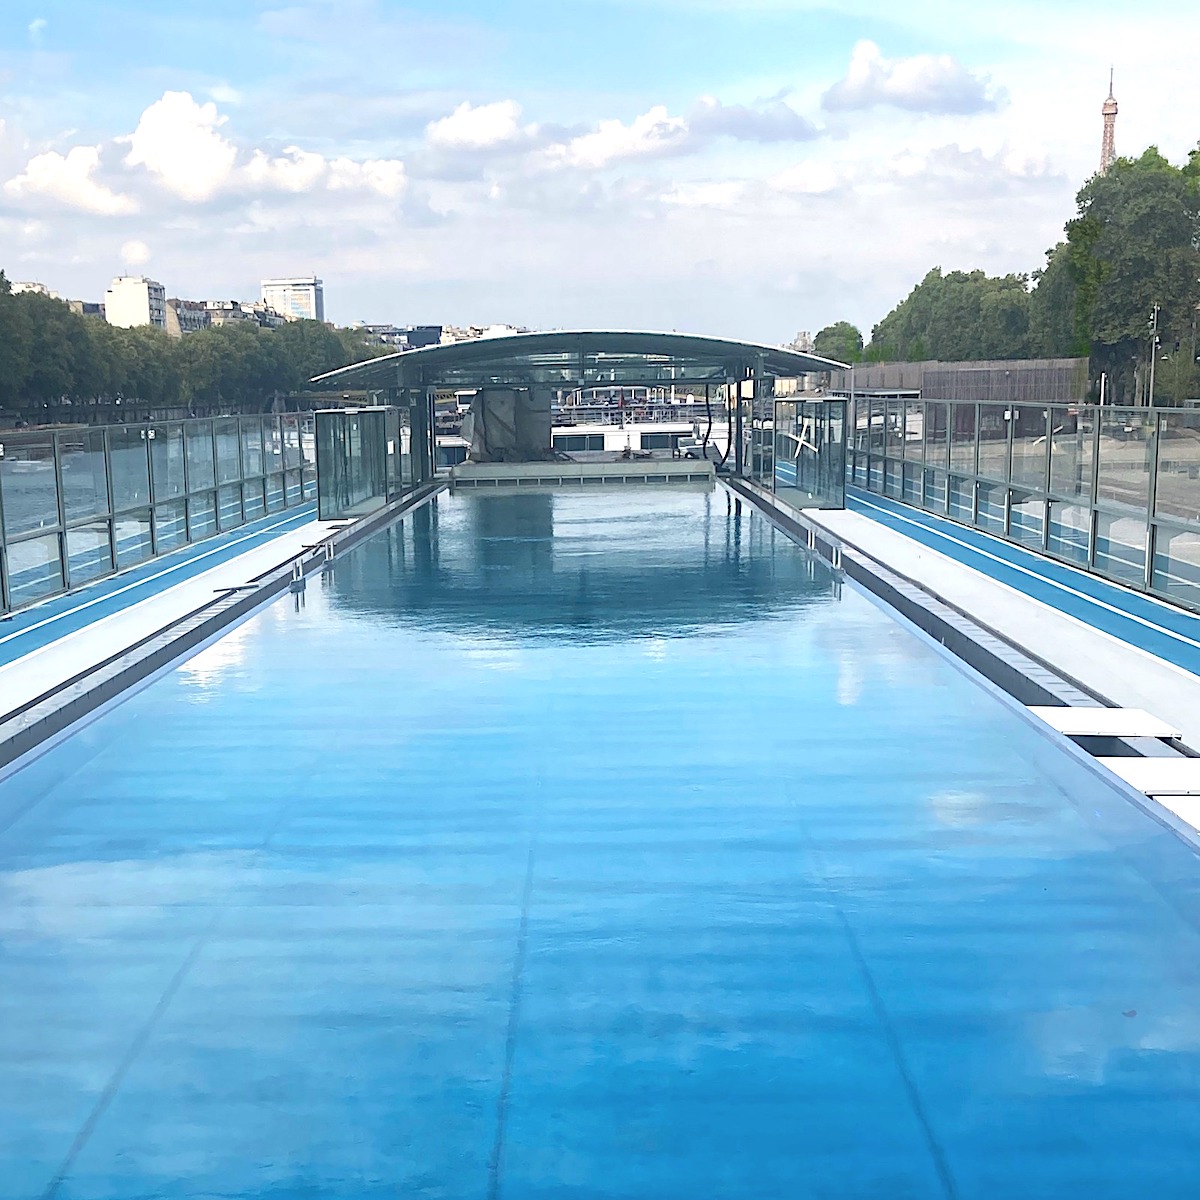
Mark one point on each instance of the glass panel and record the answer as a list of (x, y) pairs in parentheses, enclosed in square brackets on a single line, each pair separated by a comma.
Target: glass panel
[(1177, 564), (252, 446), (1126, 455), (892, 479), (962, 438), (860, 470), (1067, 532), (290, 434), (130, 466), (166, 461), (88, 552), (229, 465), (34, 568), (877, 433), (935, 490), (170, 525), (914, 429), (894, 425), (1121, 547), (229, 503), (1178, 490), (962, 498), (788, 449), (275, 498), (202, 515), (990, 500), (1071, 443), (201, 474), (84, 473), (1029, 446), (1026, 517), (937, 435), (308, 442), (875, 474), (912, 483), (292, 486), (272, 445), (252, 499), (310, 483), (993, 440), (810, 470), (27, 483), (132, 531), (406, 469)]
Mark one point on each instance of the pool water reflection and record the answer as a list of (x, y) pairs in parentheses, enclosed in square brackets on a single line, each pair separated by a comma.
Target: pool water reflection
[(587, 845)]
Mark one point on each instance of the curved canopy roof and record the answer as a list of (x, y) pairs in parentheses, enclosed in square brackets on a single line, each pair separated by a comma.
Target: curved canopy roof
[(576, 359)]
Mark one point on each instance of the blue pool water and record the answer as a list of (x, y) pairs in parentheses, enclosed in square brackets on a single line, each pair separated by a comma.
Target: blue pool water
[(593, 845)]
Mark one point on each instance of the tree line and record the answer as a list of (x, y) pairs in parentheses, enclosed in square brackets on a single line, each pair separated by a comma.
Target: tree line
[(50, 354), (1132, 248)]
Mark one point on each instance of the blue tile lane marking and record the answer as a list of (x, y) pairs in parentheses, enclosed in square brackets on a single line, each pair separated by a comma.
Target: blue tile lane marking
[(32, 628), (811, 913), (1164, 631)]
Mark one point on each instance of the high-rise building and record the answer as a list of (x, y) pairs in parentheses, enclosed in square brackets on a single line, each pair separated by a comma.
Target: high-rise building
[(298, 299), (135, 300), (1108, 147)]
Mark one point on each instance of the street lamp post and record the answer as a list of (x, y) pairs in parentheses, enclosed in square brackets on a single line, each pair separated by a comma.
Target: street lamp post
[(1153, 351)]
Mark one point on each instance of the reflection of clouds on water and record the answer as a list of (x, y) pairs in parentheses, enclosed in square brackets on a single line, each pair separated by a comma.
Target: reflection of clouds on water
[(89, 899), (961, 809), (849, 681), (1082, 1044)]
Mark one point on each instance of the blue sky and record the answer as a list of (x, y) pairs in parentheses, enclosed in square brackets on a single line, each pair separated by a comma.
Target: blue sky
[(749, 168)]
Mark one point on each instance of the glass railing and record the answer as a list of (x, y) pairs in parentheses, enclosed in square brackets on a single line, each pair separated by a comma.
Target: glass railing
[(80, 503), (1111, 490), (797, 449), (368, 457)]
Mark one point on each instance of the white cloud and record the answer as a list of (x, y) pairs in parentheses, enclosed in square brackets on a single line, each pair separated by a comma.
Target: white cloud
[(135, 253), (177, 141), (295, 170), (806, 178), (773, 121), (386, 176), (36, 28), (652, 134), (481, 127), (68, 179), (924, 83), (721, 193)]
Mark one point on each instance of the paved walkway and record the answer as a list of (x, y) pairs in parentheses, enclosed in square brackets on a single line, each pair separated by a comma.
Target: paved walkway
[(1153, 625), (44, 646)]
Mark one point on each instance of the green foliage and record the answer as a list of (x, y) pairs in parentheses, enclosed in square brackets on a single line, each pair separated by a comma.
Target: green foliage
[(1053, 331), (841, 341), (49, 354), (1134, 245), (957, 316)]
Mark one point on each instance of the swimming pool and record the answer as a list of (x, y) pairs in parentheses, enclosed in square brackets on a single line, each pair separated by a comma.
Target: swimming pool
[(588, 845)]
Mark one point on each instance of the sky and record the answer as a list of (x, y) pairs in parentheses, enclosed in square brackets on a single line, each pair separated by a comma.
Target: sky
[(745, 168)]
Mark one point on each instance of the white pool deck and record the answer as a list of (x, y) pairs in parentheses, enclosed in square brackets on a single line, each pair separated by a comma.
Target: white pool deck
[(50, 666), (1126, 675)]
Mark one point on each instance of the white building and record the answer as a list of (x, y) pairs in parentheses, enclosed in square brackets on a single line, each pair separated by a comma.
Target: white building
[(298, 299), (135, 300), (39, 289)]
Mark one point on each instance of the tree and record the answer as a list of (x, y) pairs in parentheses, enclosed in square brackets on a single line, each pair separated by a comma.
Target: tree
[(1053, 331), (313, 347), (1132, 246), (14, 345), (958, 316), (841, 341)]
